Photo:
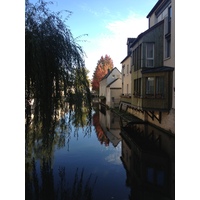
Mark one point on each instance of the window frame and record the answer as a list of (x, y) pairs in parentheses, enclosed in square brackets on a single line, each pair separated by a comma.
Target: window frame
[(168, 47), (150, 83), (155, 88), (160, 86), (169, 19), (127, 69), (137, 87), (150, 58)]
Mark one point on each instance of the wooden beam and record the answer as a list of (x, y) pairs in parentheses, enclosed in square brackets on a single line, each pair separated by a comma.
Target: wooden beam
[(152, 115)]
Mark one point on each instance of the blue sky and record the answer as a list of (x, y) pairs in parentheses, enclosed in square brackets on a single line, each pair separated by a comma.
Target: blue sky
[(108, 25)]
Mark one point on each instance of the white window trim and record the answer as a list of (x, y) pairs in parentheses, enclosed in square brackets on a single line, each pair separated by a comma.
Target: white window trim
[(150, 58)]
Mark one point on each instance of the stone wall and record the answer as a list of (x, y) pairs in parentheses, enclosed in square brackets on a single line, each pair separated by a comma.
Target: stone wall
[(167, 118)]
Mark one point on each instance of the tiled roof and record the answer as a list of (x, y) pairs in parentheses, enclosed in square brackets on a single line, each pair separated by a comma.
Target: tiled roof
[(109, 73)]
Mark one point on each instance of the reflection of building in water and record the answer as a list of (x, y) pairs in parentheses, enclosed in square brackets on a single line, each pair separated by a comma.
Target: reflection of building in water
[(100, 132), (111, 126), (148, 156)]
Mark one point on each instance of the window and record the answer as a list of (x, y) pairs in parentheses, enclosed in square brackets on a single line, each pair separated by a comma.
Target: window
[(160, 86), (127, 69), (123, 70), (167, 47), (155, 176), (137, 58), (155, 86), (169, 18), (150, 85), (137, 87), (113, 76), (168, 33), (160, 178), (133, 60), (140, 56), (149, 55)]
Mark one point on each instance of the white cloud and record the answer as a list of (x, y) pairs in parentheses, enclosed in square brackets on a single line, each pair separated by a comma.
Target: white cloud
[(114, 157), (87, 8), (113, 40)]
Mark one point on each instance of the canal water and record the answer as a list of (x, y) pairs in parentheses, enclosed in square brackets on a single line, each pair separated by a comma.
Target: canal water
[(98, 161)]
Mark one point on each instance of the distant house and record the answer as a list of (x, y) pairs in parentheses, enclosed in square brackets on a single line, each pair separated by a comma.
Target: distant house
[(110, 88)]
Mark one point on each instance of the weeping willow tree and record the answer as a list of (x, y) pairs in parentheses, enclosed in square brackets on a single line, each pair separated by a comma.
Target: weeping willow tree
[(53, 59)]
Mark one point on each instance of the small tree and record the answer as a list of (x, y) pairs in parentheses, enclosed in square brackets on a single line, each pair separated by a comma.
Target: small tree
[(101, 70)]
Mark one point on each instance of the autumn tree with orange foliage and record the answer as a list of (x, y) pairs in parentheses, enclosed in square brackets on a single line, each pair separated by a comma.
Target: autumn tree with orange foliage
[(101, 70)]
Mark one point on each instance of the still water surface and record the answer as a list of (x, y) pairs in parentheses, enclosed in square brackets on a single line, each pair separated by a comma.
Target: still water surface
[(84, 154), (99, 158), (91, 162)]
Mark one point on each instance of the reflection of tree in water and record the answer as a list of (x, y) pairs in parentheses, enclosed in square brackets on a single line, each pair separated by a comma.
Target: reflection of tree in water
[(42, 138), (81, 116), (81, 189), (100, 134), (80, 119), (40, 146)]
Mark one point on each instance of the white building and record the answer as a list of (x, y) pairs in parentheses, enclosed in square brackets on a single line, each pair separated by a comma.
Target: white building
[(110, 88)]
